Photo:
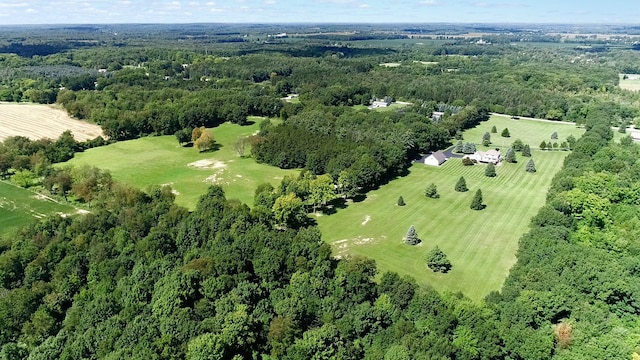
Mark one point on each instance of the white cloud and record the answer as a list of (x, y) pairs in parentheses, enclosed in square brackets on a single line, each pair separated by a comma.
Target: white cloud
[(363, 6), (14, 5), (31, 11), (270, 2), (429, 2)]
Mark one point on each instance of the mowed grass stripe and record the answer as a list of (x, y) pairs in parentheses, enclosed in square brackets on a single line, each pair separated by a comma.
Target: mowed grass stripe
[(480, 244)]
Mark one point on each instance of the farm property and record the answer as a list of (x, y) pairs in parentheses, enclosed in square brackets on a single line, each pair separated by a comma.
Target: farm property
[(37, 121), (160, 160), (19, 207), (480, 244)]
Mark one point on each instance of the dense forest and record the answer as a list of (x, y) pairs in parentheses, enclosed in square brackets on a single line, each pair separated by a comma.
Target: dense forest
[(138, 276)]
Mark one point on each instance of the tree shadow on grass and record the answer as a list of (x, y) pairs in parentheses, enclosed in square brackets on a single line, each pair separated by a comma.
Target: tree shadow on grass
[(215, 147), (334, 205)]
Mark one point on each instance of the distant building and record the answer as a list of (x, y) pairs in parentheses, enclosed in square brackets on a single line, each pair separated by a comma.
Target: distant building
[(435, 159), (379, 104), (436, 116)]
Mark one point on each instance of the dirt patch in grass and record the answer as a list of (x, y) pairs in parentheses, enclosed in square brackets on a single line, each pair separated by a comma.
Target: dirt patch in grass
[(208, 164), (37, 121)]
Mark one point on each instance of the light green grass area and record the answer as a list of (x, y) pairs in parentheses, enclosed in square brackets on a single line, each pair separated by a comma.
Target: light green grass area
[(481, 245), (160, 160), (19, 207), (632, 84), (531, 132)]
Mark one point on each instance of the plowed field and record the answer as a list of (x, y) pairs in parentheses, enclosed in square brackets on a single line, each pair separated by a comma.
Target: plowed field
[(37, 121)]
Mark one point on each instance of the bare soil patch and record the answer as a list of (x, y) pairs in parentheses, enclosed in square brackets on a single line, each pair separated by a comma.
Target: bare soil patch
[(37, 121)]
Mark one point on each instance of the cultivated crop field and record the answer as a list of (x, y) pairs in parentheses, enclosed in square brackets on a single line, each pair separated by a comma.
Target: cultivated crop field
[(37, 121), (481, 245), (161, 161), (18, 207)]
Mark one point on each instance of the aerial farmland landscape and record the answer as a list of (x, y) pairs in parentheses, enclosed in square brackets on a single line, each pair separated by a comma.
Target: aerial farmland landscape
[(192, 181)]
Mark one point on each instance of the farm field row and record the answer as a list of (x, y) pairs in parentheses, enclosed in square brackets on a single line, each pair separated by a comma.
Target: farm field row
[(480, 244), (37, 121), (19, 207), (161, 161)]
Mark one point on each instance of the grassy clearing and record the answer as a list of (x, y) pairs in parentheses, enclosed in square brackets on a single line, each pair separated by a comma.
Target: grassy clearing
[(630, 84), (480, 244), (18, 207), (159, 160)]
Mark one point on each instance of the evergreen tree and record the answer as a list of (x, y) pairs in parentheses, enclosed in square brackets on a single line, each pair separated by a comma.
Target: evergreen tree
[(490, 170), (531, 166), (412, 236), (555, 145), (401, 201), (461, 185), (543, 145), (494, 130), (476, 203), (486, 138), (469, 148), (505, 133), (564, 146), (517, 145), (510, 156), (526, 150), (554, 136), (571, 141), (458, 148), (437, 261), (432, 191)]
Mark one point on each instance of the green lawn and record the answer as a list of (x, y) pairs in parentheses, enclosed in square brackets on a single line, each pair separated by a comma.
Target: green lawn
[(531, 132), (160, 160), (18, 207), (480, 244)]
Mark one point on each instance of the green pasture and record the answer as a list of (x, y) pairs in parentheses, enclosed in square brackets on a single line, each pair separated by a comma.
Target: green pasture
[(161, 161), (19, 207), (481, 245)]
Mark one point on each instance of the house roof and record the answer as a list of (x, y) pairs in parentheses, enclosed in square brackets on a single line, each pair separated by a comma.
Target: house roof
[(440, 156)]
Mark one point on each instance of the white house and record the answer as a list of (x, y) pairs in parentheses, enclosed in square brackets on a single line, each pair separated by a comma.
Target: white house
[(489, 156), (435, 159), (378, 104)]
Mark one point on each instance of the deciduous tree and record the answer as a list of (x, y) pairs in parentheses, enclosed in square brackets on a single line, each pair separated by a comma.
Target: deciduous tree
[(288, 210), (205, 141)]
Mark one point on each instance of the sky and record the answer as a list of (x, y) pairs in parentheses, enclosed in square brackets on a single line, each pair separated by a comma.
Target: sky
[(14, 12)]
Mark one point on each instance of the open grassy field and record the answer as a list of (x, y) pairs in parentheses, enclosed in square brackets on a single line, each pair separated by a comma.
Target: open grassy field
[(37, 121), (531, 132), (18, 207), (160, 160), (481, 245), (630, 84)]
